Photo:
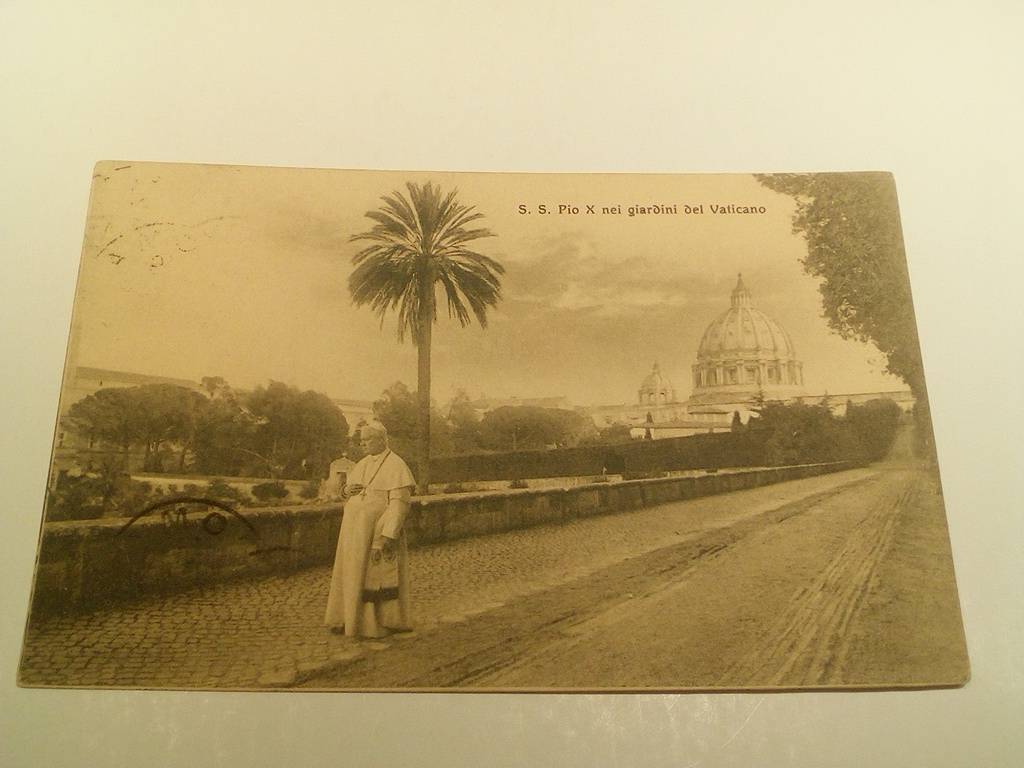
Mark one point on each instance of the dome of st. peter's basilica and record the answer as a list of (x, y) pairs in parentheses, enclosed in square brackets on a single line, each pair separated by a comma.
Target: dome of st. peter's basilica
[(744, 353)]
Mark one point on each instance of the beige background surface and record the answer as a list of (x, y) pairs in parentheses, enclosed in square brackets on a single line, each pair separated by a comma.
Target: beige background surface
[(929, 91)]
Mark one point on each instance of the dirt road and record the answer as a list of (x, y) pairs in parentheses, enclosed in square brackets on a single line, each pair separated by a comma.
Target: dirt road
[(847, 585)]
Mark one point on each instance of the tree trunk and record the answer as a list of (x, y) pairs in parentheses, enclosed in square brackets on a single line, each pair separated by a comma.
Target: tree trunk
[(426, 321)]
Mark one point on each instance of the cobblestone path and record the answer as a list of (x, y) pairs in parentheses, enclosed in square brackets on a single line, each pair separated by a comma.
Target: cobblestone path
[(267, 632)]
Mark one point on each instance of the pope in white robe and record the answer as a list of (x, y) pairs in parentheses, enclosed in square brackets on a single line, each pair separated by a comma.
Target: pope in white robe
[(369, 594)]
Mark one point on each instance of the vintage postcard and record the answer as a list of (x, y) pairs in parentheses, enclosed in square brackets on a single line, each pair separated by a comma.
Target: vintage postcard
[(359, 430)]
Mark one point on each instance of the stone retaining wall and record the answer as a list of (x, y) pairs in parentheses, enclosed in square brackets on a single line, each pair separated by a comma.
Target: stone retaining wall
[(83, 564)]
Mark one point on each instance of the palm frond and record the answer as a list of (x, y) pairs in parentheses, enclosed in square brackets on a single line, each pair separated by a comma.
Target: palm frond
[(424, 229)]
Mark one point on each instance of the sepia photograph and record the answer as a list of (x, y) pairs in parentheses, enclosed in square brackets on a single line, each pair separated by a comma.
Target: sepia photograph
[(434, 431)]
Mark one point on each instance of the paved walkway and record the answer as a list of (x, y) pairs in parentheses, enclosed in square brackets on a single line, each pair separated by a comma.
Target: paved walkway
[(267, 632)]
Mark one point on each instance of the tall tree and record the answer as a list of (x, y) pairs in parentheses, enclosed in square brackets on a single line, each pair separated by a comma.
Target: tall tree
[(855, 245), (418, 241), (297, 433), (223, 432), (168, 417), (398, 410), (110, 416), (737, 422), (151, 416), (854, 239)]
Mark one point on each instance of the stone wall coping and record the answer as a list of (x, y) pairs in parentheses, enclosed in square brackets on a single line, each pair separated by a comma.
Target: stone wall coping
[(112, 525)]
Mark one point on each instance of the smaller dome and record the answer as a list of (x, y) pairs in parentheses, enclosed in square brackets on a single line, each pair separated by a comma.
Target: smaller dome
[(654, 380), (656, 389)]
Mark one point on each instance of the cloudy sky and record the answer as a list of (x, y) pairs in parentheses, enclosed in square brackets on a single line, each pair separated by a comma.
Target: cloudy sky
[(192, 271)]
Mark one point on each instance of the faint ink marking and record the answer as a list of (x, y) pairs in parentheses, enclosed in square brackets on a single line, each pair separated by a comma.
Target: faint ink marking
[(178, 506), (204, 222), (215, 523), (149, 234), (122, 167), (177, 515), (100, 253)]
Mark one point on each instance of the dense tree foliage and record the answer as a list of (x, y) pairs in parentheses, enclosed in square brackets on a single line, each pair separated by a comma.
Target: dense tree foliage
[(465, 424), (151, 417), (855, 245), (221, 446), (799, 433), (398, 410), (108, 416), (298, 433), (875, 424), (276, 430), (513, 428), (610, 435)]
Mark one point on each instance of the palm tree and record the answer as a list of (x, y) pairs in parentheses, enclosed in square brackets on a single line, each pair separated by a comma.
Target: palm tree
[(417, 242)]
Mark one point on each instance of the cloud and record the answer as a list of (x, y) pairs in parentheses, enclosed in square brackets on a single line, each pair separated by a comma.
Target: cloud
[(573, 271)]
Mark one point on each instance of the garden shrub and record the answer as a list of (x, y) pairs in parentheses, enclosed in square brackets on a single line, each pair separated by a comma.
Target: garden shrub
[(269, 491), (224, 491)]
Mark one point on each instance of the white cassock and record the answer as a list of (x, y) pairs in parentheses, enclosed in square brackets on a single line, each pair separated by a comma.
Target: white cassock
[(368, 609)]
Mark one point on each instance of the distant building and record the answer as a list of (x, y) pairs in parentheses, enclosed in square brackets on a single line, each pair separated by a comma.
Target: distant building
[(355, 411), (332, 486), (744, 357)]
